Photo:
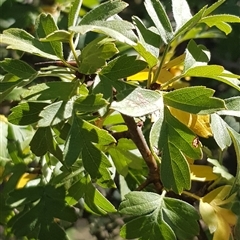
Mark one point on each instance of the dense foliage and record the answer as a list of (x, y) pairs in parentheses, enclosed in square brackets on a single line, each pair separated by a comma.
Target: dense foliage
[(119, 112)]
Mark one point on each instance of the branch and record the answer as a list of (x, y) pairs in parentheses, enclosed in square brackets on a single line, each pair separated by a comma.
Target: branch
[(139, 140)]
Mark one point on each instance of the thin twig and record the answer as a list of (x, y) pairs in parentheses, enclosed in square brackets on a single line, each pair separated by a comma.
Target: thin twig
[(138, 138)]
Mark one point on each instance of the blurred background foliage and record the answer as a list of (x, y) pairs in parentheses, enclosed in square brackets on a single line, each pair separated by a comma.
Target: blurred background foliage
[(225, 51)]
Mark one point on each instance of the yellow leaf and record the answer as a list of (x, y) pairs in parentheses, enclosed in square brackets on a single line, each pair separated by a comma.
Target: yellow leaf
[(166, 72), (219, 220), (25, 178), (202, 173), (199, 124), (140, 77)]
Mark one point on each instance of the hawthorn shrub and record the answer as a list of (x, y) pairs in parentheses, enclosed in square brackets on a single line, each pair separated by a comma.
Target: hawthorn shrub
[(119, 113)]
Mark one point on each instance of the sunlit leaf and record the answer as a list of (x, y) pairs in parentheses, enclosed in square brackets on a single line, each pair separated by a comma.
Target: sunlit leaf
[(159, 17), (95, 54), (220, 21), (19, 39), (139, 102)]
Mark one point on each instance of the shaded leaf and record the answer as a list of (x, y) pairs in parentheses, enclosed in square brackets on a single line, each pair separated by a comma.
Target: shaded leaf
[(18, 68), (55, 113), (58, 35), (51, 91), (174, 141), (123, 67), (90, 103), (26, 113)]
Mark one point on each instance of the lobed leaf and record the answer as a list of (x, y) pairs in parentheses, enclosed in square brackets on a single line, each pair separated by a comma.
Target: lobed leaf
[(18, 68), (95, 54), (51, 91), (18, 39), (157, 217), (26, 113), (45, 25), (220, 21), (122, 67)]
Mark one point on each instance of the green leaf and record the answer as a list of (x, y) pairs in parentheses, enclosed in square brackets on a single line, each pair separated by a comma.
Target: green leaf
[(122, 67), (197, 100), (159, 217), (181, 13), (159, 17), (50, 205), (82, 133), (213, 7), (76, 191), (139, 102), (149, 39), (220, 132), (220, 21), (147, 55), (55, 113), (97, 165), (190, 24), (227, 78), (73, 15), (3, 138), (51, 90), (103, 12), (22, 196), (90, 103), (18, 68), (44, 141), (116, 29), (125, 155), (236, 143), (58, 35), (175, 141), (96, 202), (233, 107), (26, 113), (45, 25), (195, 55), (18, 39), (95, 54)]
